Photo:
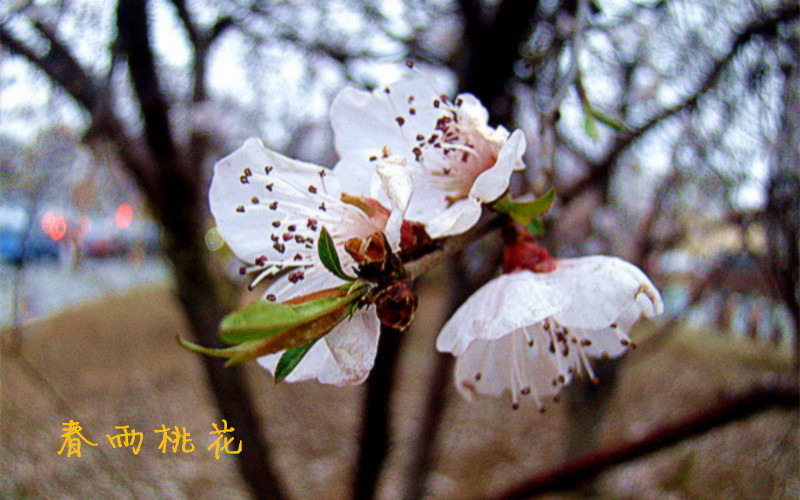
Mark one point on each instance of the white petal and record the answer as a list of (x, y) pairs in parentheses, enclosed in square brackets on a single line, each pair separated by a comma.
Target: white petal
[(353, 344), (318, 363), (602, 289), (492, 367), (396, 181), (456, 219), (343, 357), (242, 223), (503, 305), (472, 107), (492, 183), (365, 123)]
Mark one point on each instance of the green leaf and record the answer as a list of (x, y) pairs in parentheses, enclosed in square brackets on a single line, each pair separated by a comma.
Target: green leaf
[(293, 337), (589, 122), (328, 255), (290, 359), (536, 227), (225, 352), (611, 122), (266, 319), (525, 212)]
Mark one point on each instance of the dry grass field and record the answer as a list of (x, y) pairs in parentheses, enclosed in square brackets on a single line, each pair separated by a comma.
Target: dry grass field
[(116, 362)]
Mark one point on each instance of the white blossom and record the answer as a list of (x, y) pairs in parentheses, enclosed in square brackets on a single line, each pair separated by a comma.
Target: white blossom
[(270, 210), (456, 160), (531, 333)]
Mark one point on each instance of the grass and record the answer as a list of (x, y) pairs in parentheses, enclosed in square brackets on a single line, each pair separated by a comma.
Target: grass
[(115, 362)]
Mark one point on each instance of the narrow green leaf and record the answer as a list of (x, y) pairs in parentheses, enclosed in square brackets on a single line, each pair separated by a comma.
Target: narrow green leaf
[(328, 255), (225, 352), (611, 122), (266, 319), (290, 359), (589, 122)]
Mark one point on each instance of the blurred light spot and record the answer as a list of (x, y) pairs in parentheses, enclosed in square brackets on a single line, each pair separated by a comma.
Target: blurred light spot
[(58, 229), (124, 216), (85, 224), (47, 222), (213, 239)]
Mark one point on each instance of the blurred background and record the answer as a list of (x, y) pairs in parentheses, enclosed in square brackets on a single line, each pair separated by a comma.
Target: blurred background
[(669, 130)]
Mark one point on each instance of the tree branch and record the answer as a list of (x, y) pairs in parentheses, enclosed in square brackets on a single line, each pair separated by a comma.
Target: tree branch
[(58, 64), (730, 409), (763, 26), (492, 50), (134, 36), (375, 428), (451, 246)]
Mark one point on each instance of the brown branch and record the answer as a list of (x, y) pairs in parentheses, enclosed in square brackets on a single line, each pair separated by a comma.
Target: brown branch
[(763, 26), (59, 65), (63, 69), (424, 444), (134, 37), (492, 49), (375, 430), (451, 246), (729, 409), (201, 40)]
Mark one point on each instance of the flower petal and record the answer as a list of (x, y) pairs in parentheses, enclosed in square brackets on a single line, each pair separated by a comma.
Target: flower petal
[(602, 289), (318, 363), (510, 363), (492, 183), (345, 357), (456, 219), (236, 197), (353, 345), (396, 182), (503, 305)]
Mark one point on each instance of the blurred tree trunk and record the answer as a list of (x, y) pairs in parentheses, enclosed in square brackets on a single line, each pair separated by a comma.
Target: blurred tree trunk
[(176, 192), (484, 66), (783, 197), (171, 178)]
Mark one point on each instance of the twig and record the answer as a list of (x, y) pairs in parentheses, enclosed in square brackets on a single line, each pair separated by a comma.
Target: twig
[(451, 246), (756, 399), (761, 26)]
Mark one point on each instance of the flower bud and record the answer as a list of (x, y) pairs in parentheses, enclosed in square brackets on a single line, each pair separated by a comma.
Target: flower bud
[(414, 240), (373, 250), (528, 255), (396, 304)]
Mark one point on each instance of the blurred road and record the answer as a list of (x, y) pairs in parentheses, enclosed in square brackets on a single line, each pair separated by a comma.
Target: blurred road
[(48, 286)]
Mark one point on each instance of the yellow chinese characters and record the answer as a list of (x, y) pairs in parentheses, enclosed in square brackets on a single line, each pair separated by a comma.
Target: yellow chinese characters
[(224, 446), (129, 438), (72, 431), (181, 437)]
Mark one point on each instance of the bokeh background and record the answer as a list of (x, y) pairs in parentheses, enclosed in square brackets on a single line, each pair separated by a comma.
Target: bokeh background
[(668, 128)]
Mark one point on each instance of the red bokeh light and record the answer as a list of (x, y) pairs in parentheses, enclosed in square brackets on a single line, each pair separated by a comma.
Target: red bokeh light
[(85, 225), (58, 229), (48, 219), (123, 216)]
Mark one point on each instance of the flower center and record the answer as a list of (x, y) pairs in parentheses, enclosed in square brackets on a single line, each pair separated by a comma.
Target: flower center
[(455, 153)]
